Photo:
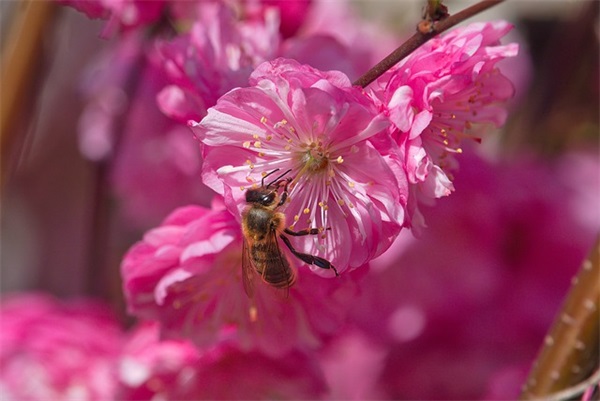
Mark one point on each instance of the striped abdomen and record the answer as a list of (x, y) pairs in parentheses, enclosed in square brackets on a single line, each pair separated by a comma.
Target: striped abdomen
[(272, 265)]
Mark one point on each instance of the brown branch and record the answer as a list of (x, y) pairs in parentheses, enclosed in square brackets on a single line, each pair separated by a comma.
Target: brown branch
[(419, 38), (570, 351), (20, 62)]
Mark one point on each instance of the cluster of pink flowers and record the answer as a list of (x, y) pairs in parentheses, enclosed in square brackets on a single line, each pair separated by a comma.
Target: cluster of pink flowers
[(196, 103), (54, 350), (423, 325)]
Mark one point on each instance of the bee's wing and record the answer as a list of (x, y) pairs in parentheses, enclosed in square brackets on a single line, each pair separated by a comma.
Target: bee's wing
[(280, 269), (248, 270)]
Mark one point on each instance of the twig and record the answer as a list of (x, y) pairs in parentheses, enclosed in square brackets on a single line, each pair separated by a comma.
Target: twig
[(419, 38)]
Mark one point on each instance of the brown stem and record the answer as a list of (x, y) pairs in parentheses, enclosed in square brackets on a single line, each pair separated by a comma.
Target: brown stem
[(419, 38), (570, 351), (19, 65)]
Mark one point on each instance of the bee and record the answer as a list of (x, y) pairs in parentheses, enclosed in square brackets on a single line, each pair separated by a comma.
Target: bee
[(262, 226)]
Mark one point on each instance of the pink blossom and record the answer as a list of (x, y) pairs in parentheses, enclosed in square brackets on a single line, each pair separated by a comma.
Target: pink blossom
[(151, 368), (216, 55), (319, 127), (158, 164), (465, 308), (187, 275), (55, 351), (292, 13), (444, 92)]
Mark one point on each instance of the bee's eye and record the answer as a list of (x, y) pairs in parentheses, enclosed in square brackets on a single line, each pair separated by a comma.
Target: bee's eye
[(268, 198)]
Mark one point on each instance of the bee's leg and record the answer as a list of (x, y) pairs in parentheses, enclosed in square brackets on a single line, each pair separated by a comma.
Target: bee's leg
[(310, 259), (306, 231)]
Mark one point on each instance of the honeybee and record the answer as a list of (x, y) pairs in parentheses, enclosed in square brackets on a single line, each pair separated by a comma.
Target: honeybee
[(262, 224)]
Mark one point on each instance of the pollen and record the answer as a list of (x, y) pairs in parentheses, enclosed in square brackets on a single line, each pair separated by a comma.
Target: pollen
[(257, 144), (308, 221), (263, 119), (280, 124), (306, 211), (340, 159), (242, 188), (287, 147), (296, 217), (341, 202), (246, 144), (268, 137), (261, 154), (255, 136), (253, 313), (350, 184), (249, 179)]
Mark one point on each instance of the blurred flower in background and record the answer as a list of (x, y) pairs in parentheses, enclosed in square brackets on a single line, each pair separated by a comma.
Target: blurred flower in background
[(121, 270)]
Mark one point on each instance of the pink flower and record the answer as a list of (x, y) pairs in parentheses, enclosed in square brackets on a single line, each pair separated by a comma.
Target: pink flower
[(217, 55), (176, 370), (187, 275), (158, 164), (54, 351), (319, 127), (464, 309), (444, 92)]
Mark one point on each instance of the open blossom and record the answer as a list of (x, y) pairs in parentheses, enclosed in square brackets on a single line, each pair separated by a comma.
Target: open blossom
[(187, 275), (442, 93), (218, 54), (55, 351), (150, 369), (319, 127)]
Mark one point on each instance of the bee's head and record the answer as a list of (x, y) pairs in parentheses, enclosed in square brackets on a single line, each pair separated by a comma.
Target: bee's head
[(262, 196)]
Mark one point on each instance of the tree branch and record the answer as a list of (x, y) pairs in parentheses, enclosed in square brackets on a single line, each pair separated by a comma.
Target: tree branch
[(419, 38)]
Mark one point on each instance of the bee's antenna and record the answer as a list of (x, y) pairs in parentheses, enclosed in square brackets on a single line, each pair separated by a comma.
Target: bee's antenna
[(262, 182), (276, 179)]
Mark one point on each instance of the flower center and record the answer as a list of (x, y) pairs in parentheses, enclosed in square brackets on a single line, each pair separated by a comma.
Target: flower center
[(315, 158)]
